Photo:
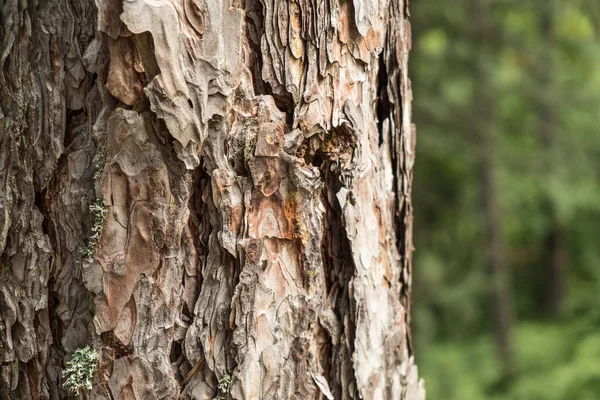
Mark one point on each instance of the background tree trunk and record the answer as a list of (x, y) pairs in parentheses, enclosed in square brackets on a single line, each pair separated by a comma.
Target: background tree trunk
[(554, 251), (500, 288), (215, 195)]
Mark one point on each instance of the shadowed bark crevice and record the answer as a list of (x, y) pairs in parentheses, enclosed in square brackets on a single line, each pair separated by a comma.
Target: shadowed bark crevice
[(339, 267), (383, 107)]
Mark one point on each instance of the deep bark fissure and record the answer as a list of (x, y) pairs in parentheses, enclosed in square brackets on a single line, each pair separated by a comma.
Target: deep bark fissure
[(383, 107), (338, 266), (397, 91)]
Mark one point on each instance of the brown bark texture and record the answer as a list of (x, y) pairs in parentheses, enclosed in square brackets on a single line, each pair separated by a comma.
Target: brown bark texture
[(214, 195)]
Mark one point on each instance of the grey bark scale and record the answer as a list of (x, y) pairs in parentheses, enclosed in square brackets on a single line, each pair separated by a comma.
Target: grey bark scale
[(252, 234)]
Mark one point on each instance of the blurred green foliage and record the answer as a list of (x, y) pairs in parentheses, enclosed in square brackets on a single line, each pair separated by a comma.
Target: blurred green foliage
[(540, 185), (554, 363)]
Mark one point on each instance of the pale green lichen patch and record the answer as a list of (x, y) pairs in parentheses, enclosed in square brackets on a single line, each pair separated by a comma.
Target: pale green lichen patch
[(99, 212), (223, 387), (99, 163), (80, 370)]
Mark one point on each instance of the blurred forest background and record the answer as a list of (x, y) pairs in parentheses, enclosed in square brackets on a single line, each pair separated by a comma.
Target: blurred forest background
[(507, 188)]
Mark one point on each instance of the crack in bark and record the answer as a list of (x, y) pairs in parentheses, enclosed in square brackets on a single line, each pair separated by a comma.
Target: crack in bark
[(339, 270)]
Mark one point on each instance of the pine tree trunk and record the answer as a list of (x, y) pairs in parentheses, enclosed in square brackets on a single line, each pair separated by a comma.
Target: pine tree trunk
[(553, 246), (214, 195), (500, 289)]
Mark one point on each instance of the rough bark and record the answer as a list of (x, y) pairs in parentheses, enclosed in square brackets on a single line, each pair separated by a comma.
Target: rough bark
[(207, 192)]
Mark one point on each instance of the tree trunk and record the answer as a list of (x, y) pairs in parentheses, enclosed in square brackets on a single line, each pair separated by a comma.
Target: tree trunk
[(501, 294), (214, 195), (554, 251)]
